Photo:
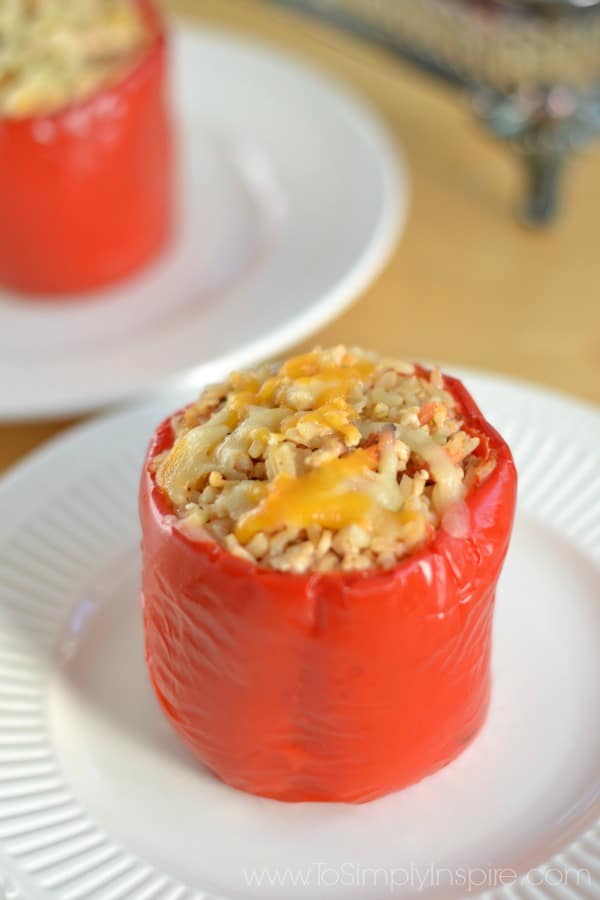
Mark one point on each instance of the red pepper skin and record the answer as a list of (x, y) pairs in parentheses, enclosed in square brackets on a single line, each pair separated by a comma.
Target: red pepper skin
[(85, 193), (335, 686)]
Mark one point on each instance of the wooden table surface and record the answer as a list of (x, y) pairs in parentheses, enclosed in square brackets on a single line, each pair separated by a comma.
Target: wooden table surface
[(466, 284)]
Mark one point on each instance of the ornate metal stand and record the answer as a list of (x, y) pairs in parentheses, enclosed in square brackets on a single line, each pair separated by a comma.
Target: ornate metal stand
[(531, 69)]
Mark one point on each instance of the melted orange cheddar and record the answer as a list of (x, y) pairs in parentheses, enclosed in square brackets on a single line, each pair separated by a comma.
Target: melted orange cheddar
[(336, 414), (323, 496), (329, 385), (325, 382), (238, 404)]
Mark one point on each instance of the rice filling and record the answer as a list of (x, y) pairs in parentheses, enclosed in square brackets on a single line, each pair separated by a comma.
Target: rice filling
[(334, 460), (55, 52)]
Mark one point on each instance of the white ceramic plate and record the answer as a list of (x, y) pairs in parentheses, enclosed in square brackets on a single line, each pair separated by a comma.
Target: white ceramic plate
[(98, 800), (290, 201)]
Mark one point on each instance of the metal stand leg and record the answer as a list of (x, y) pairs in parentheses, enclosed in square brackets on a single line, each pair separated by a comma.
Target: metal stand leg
[(545, 127), (543, 173)]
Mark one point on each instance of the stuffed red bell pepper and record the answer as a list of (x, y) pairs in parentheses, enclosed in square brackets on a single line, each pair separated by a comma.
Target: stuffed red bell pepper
[(85, 143), (321, 545)]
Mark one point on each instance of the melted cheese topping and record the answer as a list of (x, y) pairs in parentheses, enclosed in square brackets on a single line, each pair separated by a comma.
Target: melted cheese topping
[(333, 459), (335, 414), (323, 496)]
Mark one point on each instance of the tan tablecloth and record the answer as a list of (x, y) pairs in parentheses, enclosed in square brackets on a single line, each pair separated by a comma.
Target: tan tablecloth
[(466, 284)]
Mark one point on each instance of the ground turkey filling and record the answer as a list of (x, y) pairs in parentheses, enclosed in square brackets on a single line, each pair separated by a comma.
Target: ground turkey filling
[(54, 52), (337, 459)]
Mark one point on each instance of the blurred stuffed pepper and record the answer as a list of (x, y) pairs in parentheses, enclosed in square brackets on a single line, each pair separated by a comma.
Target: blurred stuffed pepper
[(85, 143)]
